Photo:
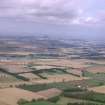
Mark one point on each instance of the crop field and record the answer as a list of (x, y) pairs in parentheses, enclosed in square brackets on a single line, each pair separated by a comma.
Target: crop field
[(64, 77), (99, 89), (30, 76), (61, 63), (14, 68), (49, 93), (39, 87), (74, 95), (6, 78), (53, 72), (42, 67), (77, 63), (12, 95), (44, 79), (96, 69), (40, 103), (96, 79), (65, 100), (59, 74)]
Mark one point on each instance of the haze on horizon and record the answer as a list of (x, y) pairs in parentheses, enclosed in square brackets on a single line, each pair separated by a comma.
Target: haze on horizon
[(76, 18)]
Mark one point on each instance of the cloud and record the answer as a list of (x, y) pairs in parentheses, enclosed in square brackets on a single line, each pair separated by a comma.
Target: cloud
[(39, 10), (51, 11)]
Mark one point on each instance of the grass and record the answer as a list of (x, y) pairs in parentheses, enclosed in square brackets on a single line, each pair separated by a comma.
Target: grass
[(66, 100), (87, 74), (96, 79), (39, 87), (94, 75), (52, 72), (86, 95), (40, 103)]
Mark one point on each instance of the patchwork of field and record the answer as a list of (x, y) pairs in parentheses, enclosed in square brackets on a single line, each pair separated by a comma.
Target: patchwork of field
[(49, 63), (44, 79), (51, 71), (39, 73), (10, 96), (63, 77), (61, 63), (70, 94), (77, 63)]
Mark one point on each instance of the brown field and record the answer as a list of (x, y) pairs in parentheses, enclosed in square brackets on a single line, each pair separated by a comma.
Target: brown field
[(12, 95), (49, 62), (50, 93), (45, 67), (2, 103), (96, 69), (61, 63), (63, 77), (78, 63), (14, 68), (100, 89), (75, 72)]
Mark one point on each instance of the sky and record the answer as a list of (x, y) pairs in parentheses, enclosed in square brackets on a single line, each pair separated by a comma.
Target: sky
[(78, 18)]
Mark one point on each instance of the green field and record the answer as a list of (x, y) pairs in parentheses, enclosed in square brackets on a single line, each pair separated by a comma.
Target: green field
[(86, 95), (96, 79), (40, 103), (39, 87), (65, 100), (53, 72)]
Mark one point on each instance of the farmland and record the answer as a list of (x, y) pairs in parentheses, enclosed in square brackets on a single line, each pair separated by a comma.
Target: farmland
[(14, 94), (100, 89), (51, 72), (40, 103), (96, 69)]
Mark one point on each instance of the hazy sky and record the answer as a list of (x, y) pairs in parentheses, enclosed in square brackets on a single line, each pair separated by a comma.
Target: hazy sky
[(62, 17)]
